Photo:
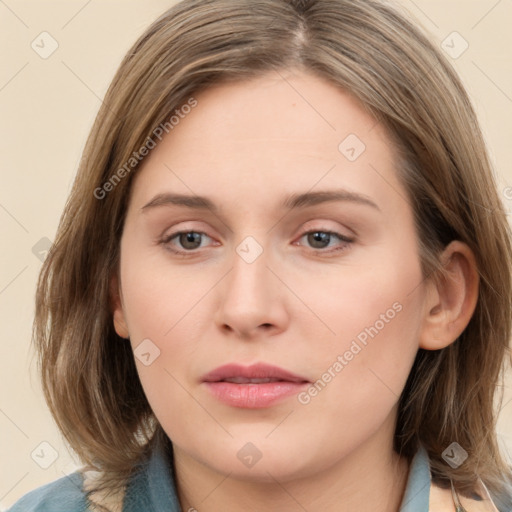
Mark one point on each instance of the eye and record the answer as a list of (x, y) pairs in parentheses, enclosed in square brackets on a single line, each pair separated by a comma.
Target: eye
[(188, 240), (320, 239)]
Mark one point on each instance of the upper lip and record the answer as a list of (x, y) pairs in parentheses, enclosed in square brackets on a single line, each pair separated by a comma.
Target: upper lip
[(253, 372)]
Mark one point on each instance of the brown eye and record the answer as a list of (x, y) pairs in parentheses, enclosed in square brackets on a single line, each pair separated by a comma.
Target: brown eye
[(190, 240), (187, 241), (319, 239)]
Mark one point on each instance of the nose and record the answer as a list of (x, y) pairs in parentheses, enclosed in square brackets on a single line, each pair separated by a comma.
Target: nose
[(252, 299)]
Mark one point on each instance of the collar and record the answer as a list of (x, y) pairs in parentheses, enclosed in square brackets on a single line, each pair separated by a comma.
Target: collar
[(424, 495), (153, 489), (417, 491)]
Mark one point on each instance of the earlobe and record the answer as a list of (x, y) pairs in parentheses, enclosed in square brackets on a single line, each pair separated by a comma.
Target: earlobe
[(451, 298), (117, 309)]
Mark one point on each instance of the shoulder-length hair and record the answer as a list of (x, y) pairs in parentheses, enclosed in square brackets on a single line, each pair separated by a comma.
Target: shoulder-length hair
[(378, 55)]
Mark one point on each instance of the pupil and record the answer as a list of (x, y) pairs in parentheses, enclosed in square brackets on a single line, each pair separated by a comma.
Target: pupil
[(191, 238), (319, 237)]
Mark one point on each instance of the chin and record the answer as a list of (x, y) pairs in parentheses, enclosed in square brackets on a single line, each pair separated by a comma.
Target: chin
[(258, 459)]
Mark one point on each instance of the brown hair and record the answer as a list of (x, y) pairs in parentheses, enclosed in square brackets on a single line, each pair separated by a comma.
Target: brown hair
[(367, 48)]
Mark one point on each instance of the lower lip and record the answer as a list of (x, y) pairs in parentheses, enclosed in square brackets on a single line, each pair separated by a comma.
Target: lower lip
[(254, 396)]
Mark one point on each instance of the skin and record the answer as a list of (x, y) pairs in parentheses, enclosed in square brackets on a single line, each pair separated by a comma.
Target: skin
[(247, 146)]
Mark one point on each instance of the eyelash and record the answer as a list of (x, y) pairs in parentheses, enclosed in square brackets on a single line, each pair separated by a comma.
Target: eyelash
[(346, 241)]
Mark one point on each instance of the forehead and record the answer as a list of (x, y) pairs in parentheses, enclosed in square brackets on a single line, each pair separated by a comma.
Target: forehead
[(282, 130), (278, 107)]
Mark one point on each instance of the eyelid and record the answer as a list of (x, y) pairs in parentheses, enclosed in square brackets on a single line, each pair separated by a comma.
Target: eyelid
[(167, 238), (321, 224), (329, 232)]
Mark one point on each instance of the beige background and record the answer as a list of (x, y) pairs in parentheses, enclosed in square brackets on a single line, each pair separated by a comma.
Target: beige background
[(46, 109)]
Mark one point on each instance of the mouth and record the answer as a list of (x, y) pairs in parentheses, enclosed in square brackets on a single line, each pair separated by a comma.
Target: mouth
[(253, 387), (246, 380)]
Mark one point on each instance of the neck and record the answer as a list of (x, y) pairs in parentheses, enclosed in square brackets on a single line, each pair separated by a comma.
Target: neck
[(371, 477)]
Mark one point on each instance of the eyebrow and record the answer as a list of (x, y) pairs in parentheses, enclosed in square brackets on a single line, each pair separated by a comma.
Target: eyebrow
[(292, 202)]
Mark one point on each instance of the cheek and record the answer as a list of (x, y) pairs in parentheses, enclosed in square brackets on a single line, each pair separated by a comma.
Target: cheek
[(158, 302), (374, 313), (360, 373), (160, 296), (365, 303)]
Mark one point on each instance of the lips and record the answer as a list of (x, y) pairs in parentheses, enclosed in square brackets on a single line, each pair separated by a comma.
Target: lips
[(256, 386), (255, 372)]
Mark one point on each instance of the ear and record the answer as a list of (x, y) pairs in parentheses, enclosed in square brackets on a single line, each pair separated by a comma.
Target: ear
[(451, 298), (116, 303)]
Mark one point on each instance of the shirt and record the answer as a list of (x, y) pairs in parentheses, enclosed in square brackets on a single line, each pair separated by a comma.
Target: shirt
[(153, 489)]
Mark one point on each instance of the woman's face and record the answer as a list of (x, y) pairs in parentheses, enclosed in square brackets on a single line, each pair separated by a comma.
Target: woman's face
[(302, 256)]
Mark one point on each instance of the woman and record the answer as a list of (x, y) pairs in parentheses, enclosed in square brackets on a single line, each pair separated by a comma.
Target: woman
[(202, 349)]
